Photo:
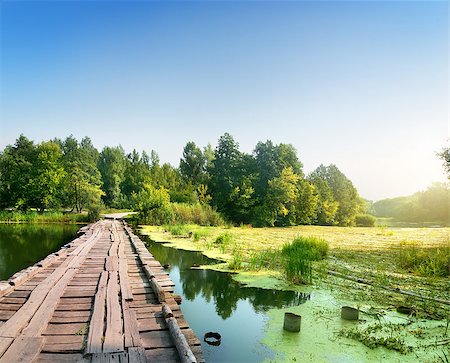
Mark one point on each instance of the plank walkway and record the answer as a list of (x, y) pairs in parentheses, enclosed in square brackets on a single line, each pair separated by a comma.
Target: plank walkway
[(101, 298)]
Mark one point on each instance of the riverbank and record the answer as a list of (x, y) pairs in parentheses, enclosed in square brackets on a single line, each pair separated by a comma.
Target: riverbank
[(361, 252)]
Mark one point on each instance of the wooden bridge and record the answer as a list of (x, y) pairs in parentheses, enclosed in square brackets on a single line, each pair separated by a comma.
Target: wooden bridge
[(101, 298)]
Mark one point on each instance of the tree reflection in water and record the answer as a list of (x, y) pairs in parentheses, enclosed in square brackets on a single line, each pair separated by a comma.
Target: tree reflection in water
[(22, 245), (220, 286)]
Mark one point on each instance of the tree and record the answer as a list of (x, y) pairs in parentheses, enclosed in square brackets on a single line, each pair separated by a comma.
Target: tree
[(47, 176), (445, 156), (224, 173), (282, 198), (152, 205), (111, 165), (193, 164), (307, 202), (326, 207), (83, 179), (16, 168), (344, 193)]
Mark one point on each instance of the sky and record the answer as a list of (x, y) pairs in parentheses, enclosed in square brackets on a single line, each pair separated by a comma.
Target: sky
[(359, 84)]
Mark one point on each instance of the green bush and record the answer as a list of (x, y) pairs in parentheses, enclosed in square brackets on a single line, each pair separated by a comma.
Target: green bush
[(365, 220), (177, 229), (94, 213), (153, 205), (203, 215), (298, 256), (432, 261)]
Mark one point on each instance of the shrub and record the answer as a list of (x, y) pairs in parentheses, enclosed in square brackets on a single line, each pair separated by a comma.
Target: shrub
[(365, 220), (432, 261), (153, 205), (203, 215), (94, 213), (298, 256), (177, 229)]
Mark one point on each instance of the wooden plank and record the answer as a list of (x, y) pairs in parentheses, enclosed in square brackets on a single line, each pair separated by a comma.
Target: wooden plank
[(61, 358), (23, 349), (5, 315), (4, 344), (131, 329), (96, 325), (13, 300), (73, 307), (162, 355), (112, 263), (45, 311), (66, 329), (136, 355), (110, 358), (63, 344), (14, 326), (114, 327), (5, 288)]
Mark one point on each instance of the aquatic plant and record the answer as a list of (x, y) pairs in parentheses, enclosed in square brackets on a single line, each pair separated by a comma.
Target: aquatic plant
[(431, 261), (298, 256)]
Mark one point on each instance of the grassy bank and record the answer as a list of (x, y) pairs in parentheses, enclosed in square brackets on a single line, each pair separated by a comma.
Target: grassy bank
[(46, 217)]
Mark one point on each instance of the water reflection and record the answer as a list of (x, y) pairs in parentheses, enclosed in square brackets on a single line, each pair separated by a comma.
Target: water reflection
[(219, 286), (22, 245), (214, 302)]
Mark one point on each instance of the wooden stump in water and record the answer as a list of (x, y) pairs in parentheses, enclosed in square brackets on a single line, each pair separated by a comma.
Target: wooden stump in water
[(292, 322)]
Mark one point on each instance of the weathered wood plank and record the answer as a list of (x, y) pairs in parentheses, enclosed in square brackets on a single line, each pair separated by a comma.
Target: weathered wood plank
[(4, 344), (96, 326), (63, 344), (110, 358), (23, 349), (114, 327), (136, 355), (131, 328), (61, 358), (66, 329)]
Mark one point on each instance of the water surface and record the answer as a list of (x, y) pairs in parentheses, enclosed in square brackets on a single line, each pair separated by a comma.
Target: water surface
[(212, 301), (22, 244)]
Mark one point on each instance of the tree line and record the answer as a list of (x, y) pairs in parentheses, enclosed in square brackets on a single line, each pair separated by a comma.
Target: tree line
[(431, 205), (265, 188)]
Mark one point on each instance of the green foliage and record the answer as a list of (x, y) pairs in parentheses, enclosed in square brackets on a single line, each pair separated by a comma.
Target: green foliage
[(365, 220), (203, 215), (281, 198), (94, 212), (112, 165), (46, 217), (177, 229), (153, 205), (264, 188), (298, 256), (431, 205), (434, 261), (266, 259), (193, 164), (224, 239), (344, 195), (445, 156)]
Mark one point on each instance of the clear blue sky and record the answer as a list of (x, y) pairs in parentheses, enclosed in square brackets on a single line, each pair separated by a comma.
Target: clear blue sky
[(362, 84)]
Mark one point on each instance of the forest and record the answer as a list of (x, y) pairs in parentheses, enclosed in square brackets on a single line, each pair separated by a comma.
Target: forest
[(265, 188)]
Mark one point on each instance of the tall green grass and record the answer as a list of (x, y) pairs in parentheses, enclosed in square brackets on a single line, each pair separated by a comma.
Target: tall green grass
[(298, 257), (203, 215), (431, 262), (46, 217)]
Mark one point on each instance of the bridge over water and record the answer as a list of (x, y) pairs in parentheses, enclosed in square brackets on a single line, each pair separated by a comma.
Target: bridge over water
[(100, 298)]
